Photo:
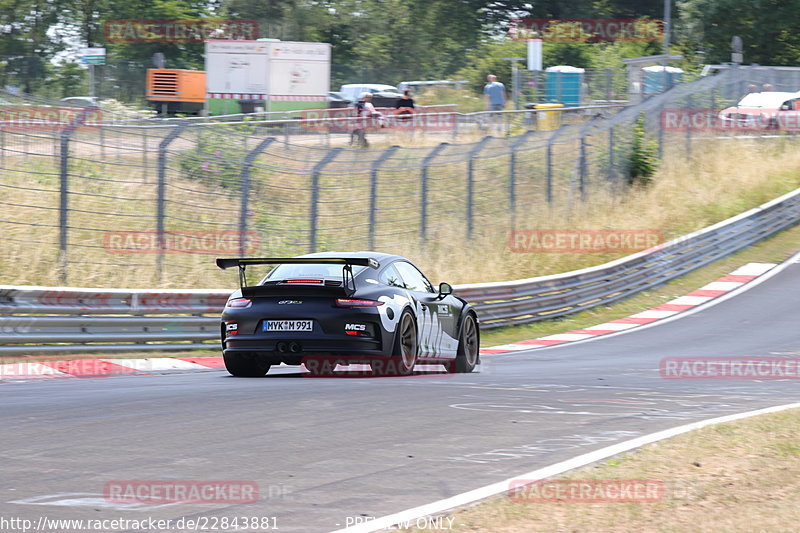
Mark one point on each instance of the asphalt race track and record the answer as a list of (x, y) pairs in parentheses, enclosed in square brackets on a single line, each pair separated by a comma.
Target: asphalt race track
[(325, 449)]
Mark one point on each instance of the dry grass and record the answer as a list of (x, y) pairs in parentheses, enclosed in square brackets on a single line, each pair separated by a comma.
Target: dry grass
[(731, 176), (686, 195), (736, 477)]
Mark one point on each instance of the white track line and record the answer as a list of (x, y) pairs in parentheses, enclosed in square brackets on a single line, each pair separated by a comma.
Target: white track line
[(466, 498)]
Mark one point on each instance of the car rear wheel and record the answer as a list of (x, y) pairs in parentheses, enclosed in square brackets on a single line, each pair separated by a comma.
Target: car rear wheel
[(404, 351), (245, 365), (468, 347)]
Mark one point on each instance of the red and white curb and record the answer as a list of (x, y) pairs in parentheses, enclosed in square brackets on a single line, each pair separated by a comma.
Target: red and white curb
[(715, 289), (89, 368)]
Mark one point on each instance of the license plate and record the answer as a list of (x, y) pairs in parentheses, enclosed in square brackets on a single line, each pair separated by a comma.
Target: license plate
[(288, 325)]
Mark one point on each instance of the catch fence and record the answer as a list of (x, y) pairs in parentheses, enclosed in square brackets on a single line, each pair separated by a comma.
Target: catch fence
[(147, 201)]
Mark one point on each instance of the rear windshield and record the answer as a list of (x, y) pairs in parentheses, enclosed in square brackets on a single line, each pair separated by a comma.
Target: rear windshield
[(312, 270)]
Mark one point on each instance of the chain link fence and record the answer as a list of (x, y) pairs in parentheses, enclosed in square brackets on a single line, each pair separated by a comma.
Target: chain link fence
[(154, 201)]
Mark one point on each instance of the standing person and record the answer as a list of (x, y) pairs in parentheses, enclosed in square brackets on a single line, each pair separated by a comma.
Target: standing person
[(495, 93), (495, 97), (364, 111)]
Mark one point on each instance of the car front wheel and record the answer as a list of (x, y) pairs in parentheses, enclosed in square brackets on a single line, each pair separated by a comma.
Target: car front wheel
[(468, 347)]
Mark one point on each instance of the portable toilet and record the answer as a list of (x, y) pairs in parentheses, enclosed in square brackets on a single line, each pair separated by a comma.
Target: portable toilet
[(564, 85), (659, 78)]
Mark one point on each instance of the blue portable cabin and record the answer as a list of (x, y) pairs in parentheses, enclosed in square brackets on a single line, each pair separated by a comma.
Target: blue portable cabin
[(564, 85), (658, 78)]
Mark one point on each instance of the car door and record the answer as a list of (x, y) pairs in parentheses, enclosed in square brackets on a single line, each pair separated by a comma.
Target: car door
[(435, 317)]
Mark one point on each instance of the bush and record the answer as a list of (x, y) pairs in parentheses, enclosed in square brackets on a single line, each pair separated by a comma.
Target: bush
[(643, 157)]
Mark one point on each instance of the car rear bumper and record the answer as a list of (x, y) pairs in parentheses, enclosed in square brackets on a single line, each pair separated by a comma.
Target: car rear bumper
[(299, 346)]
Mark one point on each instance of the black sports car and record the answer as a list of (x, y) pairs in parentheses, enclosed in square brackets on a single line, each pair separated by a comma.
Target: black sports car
[(344, 308)]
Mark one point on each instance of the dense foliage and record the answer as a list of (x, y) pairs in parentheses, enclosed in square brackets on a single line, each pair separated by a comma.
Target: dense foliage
[(379, 41)]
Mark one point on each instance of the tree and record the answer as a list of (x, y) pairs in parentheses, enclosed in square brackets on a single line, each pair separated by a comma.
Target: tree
[(767, 27), (26, 47)]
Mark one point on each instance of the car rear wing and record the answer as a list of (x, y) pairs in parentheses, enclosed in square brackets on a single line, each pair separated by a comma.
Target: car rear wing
[(346, 262)]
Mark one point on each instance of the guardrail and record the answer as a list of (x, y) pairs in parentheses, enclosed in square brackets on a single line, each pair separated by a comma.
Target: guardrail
[(529, 300), (36, 320)]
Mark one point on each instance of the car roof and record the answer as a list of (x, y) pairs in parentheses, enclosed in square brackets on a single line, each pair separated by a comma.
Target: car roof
[(377, 86), (767, 99)]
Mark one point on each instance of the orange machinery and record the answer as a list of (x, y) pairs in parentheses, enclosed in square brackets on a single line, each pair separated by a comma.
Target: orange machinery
[(172, 91)]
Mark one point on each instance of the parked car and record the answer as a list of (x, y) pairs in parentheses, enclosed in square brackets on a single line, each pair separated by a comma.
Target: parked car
[(765, 110), (382, 95), (338, 100), (81, 101)]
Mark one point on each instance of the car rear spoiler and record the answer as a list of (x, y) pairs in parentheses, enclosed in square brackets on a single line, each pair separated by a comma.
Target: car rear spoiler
[(346, 262)]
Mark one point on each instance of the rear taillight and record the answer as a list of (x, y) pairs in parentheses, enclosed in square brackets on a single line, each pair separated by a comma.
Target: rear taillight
[(240, 302), (350, 302)]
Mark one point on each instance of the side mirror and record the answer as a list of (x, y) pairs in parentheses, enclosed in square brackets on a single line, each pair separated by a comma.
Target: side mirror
[(445, 289)]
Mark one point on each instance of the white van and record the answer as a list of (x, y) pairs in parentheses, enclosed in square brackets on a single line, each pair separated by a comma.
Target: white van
[(353, 90)]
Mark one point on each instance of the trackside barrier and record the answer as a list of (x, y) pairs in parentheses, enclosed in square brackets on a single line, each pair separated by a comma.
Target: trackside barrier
[(61, 319), (529, 300)]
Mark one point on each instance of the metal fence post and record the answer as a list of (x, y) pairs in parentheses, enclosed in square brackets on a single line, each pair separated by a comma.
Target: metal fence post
[(611, 163), (661, 130), (162, 193), (245, 193), (63, 208), (582, 167), (144, 155), (549, 182), (471, 180), (423, 217), (689, 128), (512, 173), (315, 172), (373, 192)]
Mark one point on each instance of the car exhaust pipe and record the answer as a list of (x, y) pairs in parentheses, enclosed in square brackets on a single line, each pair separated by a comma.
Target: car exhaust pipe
[(282, 347), (295, 348)]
